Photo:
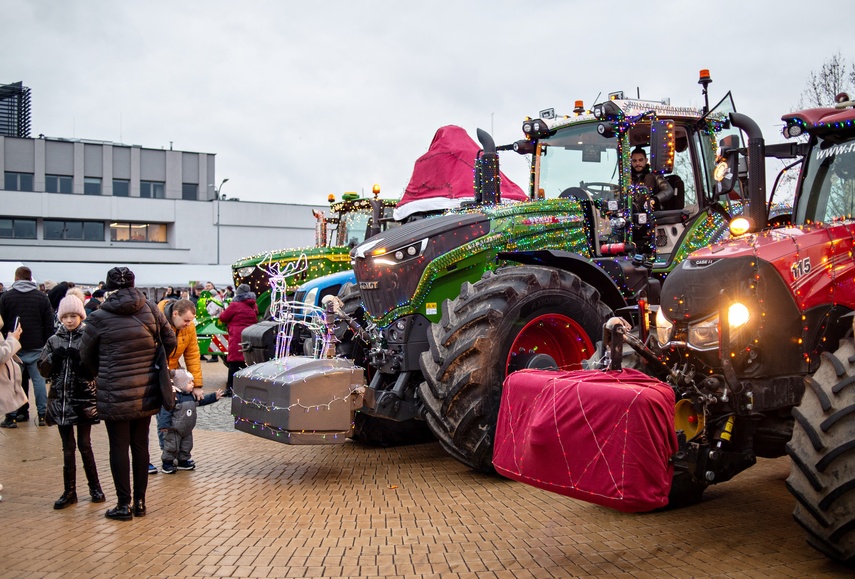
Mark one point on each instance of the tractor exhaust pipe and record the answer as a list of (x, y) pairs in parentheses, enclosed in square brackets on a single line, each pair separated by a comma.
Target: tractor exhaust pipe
[(487, 180), (756, 170)]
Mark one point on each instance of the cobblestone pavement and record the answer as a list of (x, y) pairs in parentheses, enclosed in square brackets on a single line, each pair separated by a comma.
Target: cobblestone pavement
[(255, 508)]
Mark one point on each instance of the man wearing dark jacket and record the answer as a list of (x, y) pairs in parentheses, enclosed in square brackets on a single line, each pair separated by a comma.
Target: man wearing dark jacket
[(24, 302), (119, 346), (658, 189)]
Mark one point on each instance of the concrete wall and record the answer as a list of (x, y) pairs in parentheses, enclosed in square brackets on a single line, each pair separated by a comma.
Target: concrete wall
[(200, 232)]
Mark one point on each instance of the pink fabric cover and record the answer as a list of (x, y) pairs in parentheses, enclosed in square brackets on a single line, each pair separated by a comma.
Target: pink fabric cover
[(446, 170), (601, 437)]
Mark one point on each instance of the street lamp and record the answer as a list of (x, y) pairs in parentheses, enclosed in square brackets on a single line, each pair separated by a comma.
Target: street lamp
[(218, 197), (220, 188)]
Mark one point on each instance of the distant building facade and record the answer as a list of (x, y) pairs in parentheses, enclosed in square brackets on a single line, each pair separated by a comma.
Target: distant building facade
[(14, 110), (85, 205)]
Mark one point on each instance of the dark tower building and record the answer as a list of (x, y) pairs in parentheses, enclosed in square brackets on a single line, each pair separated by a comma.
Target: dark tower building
[(14, 110)]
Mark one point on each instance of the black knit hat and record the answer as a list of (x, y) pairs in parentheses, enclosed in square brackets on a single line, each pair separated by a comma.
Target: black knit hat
[(118, 278)]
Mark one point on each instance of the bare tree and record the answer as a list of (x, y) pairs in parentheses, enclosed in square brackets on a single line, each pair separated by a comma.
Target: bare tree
[(834, 77)]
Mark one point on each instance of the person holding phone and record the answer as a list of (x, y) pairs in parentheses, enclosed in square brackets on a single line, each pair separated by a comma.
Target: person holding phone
[(24, 301)]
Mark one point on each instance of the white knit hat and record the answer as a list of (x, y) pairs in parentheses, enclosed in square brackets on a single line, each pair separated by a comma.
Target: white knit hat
[(71, 305), (180, 379)]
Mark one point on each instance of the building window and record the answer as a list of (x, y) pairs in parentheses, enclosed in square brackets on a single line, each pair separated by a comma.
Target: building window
[(189, 191), (152, 189), (147, 232), (121, 188), (57, 183), (19, 181), (74, 230), (18, 228), (92, 186)]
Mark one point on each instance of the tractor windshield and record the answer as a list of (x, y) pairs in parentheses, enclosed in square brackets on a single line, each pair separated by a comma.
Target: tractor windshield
[(352, 227), (578, 156), (828, 191), (353, 224)]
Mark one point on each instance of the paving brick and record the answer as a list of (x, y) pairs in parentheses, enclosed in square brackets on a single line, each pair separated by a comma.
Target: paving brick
[(254, 508)]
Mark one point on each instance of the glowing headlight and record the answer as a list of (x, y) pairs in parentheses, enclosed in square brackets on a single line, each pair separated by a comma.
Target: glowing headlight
[(663, 328), (739, 226), (720, 171), (704, 335), (737, 315), (246, 271)]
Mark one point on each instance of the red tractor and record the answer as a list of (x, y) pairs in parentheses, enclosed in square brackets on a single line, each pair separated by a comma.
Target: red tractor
[(754, 338)]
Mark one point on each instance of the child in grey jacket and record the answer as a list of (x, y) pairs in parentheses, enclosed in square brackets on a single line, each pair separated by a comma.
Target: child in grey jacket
[(177, 425)]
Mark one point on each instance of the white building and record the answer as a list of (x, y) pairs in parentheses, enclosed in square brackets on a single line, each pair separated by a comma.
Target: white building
[(71, 209)]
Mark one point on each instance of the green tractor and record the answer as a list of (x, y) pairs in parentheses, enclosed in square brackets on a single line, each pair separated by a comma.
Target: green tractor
[(353, 220), (440, 364)]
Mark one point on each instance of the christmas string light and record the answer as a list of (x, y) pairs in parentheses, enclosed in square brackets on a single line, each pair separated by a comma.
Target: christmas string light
[(559, 385), (273, 407), (280, 431)]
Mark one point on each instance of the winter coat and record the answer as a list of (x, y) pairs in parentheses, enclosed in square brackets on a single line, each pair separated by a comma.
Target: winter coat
[(10, 374), (56, 293), (182, 418), (71, 399), (120, 350), (91, 305), (188, 346), (24, 300), (237, 317)]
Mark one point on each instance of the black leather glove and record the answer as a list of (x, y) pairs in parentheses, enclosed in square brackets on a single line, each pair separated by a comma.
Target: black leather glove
[(73, 355)]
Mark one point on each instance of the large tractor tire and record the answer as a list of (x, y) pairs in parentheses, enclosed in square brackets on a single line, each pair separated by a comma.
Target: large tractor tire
[(822, 477), (518, 317)]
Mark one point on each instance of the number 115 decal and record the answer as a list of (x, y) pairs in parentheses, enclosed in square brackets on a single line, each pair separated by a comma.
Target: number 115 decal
[(800, 267)]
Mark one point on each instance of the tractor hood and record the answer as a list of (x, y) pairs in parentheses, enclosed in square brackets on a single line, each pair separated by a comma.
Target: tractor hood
[(801, 266), (389, 266)]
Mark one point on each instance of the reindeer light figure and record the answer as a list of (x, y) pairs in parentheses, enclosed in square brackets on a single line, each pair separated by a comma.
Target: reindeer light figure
[(291, 314)]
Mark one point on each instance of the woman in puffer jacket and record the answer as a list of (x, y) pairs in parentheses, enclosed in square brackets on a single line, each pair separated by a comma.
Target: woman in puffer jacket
[(239, 315), (120, 345), (71, 400)]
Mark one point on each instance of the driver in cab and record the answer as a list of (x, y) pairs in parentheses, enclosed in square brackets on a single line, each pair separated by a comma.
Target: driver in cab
[(658, 189)]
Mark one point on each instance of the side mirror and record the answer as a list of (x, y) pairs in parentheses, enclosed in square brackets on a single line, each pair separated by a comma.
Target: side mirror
[(727, 165), (662, 146)]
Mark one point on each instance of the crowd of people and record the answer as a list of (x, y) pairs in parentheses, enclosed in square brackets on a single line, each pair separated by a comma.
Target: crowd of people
[(97, 349)]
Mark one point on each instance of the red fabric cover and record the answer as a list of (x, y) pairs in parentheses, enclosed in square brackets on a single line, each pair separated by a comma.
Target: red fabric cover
[(601, 437), (446, 170)]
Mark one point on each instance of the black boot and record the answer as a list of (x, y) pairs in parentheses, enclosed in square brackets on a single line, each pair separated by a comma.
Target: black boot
[(94, 484), (69, 496), (139, 507), (120, 513)]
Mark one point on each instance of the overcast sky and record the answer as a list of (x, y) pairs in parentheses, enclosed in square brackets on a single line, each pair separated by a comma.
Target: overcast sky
[(299, 100)]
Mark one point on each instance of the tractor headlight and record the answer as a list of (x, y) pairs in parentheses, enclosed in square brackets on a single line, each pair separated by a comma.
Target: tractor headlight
[(663, 328), (704, 335), (737, 315), (394, 257), (246, 271)]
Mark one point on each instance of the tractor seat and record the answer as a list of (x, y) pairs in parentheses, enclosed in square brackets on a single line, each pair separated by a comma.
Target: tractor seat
[(679, 199)]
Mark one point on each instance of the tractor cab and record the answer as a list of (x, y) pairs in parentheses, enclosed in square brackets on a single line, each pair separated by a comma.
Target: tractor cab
[(827, 191), (587, 157), (355, 219)]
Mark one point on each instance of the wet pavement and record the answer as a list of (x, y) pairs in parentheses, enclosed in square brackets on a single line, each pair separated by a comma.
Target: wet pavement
[(255, 508)]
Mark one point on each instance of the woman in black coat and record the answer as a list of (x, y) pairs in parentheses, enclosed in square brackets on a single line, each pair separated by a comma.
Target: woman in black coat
[(71, 400), (119, 346)]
